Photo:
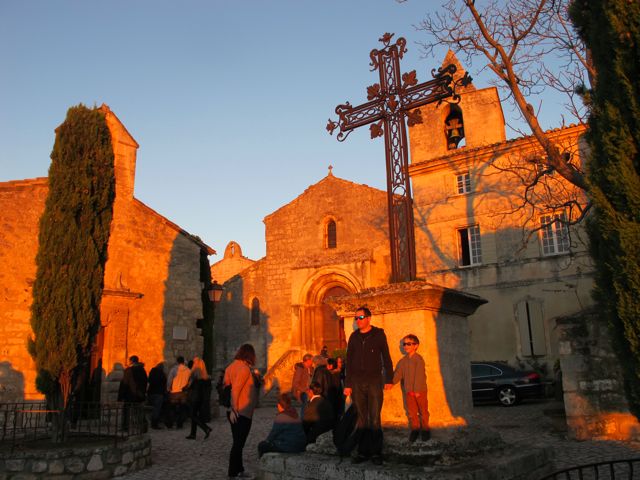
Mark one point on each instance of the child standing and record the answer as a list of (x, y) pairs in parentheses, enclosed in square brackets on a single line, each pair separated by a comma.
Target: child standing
[(410, 370)]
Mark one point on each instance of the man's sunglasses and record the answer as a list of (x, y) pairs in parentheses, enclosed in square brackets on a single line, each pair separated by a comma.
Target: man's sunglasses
[(406, 344), (359, 317)]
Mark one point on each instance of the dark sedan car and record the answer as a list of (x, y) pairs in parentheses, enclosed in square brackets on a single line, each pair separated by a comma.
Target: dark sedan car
[(492, 381)]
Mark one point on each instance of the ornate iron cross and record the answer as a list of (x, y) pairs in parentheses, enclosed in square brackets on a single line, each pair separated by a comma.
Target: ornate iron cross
[(395, 97)]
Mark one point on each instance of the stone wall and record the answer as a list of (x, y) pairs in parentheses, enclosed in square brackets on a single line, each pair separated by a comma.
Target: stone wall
[(152, 290), (595, 404), (21, 204), (298, 267), (86, 463)]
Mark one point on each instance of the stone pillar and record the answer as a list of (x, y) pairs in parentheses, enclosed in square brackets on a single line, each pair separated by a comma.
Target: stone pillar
[(594, 399), (438, 316)]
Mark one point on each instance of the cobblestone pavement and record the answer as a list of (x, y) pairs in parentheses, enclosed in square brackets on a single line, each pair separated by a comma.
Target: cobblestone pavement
[(175, 457)]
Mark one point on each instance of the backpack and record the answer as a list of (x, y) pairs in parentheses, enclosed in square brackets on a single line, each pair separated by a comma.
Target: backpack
[(225, 396)]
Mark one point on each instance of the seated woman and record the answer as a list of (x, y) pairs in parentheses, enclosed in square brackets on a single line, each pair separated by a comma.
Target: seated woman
[(286, 435), (318, 415)]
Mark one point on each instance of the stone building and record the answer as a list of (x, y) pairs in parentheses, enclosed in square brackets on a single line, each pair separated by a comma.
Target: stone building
[(472, 234), (152, 286), (330, 240)]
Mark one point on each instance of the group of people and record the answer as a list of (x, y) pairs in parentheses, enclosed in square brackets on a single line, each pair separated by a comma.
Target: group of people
[(185, 392), (323, 386)]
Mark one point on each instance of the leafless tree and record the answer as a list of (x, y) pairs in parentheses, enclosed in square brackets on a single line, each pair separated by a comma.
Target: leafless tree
[(529, 46)]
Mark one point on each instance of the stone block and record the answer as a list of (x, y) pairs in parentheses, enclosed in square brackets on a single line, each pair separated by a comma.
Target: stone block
[(39, 466), (119, 471), (113, 456), (95, 464), (74, 465), (14, 465), (24, 476), (305, 466), (101, 475), (56, 467), (127, 458), (272, 462)]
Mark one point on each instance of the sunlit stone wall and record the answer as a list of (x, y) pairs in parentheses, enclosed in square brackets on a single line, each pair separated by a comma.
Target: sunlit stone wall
[(152, 296)]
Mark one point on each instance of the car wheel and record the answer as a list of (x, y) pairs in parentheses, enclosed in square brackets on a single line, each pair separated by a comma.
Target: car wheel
[(507, 396)]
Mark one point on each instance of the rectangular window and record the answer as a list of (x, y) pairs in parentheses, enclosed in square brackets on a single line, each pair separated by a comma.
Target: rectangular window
[(463, 183), (470, 246), (554, 234)]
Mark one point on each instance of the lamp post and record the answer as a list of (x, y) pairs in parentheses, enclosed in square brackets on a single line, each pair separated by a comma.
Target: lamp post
[(215, 295), (215, 292)]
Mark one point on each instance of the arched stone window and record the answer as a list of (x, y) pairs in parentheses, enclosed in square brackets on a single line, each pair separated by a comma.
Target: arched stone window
[(330, 236), (454, 128), (255, 311)]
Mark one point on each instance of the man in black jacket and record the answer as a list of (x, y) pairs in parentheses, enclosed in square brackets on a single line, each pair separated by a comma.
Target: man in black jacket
[(133, 387), (367, 356)]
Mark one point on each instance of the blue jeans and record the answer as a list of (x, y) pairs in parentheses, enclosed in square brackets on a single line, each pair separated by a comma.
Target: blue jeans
[(304, 399)]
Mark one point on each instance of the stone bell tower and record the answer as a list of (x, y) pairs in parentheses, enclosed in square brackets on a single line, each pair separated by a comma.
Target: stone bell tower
[(477, 120)]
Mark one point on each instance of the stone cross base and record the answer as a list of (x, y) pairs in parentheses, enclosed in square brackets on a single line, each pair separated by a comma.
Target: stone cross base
[(438, 317)]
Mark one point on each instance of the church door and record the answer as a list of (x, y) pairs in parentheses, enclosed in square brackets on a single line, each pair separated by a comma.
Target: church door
[(333, 325)]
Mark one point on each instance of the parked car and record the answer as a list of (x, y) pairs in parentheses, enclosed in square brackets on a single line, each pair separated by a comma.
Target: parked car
[(492, 381)]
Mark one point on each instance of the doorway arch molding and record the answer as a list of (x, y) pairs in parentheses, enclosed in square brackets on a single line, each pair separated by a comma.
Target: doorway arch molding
[(313, 290), (308, 328)]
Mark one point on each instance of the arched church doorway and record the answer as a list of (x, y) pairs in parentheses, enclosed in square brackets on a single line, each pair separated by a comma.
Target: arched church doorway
[(333, 325), (317, 323)]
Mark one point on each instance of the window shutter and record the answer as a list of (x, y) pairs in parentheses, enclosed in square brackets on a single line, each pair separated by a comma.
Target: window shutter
[(537, 328), (523, 326)]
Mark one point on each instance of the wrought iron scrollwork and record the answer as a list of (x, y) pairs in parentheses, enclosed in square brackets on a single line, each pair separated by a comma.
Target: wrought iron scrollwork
[(395, 97)]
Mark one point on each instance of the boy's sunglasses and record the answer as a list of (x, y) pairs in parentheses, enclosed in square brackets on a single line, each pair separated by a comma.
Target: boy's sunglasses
[(406, 344), (360, 317)]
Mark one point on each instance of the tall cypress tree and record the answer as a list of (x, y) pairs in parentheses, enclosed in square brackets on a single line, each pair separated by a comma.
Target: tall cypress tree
[(611, 30), (72, 252)]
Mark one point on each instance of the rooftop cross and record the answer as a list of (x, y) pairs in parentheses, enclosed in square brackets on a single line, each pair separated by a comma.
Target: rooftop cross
[(396, 96)]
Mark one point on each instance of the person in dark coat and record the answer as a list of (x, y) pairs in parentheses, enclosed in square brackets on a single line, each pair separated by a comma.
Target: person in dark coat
[(318, 416), (199, 398), (322, 376), (156, 393), (133, 387), (335, 395), (287, 434), (367, 358)]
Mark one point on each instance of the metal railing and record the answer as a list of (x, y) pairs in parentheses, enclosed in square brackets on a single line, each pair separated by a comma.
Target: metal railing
[(25, 422), (612, 470)]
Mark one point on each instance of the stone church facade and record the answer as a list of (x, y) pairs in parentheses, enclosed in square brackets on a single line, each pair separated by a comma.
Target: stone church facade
[(472, 234), (152, 286), (329, 241)]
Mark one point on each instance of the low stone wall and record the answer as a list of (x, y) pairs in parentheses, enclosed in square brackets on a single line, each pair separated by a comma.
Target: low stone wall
[(85, 463), (594, 398), (524, 463)]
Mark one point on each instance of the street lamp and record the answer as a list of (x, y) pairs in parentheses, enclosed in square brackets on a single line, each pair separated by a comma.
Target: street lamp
[(215, 292)]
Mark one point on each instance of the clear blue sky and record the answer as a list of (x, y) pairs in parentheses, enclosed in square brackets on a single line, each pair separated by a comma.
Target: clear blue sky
[(227, 99)]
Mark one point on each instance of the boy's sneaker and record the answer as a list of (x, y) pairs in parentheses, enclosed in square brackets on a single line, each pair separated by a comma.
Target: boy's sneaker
[(426, 435), (413, 436)]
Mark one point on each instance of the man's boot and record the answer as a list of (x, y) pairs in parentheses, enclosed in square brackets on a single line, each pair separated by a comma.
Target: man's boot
[(413, 436), (426, 435)]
